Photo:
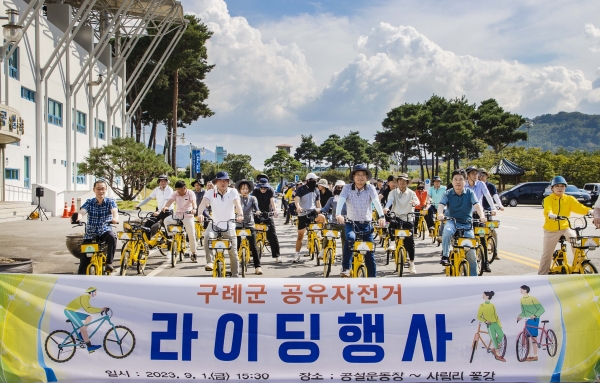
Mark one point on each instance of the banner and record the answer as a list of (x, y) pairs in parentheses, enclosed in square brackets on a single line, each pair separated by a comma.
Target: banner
[(97, 329), (196, 164)]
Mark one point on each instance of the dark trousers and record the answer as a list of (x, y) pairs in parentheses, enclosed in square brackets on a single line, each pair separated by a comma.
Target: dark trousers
[(252, 242), (111, 245), (156, 221), (409, 242), (272, 237)]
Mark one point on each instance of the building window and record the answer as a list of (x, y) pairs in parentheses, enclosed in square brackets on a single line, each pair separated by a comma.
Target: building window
[(27, 94), (54, 112), (81, 122), (13, 64), (11, 174), (99, 127), (81, 178), (116, 132)]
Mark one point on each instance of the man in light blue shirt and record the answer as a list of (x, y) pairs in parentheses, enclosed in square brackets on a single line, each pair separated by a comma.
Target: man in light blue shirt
[(435, 194)]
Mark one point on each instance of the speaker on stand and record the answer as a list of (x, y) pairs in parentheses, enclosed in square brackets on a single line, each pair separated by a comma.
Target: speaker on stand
[(38, 212)]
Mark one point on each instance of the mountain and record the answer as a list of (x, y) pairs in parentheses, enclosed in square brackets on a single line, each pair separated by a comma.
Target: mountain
[(183, 155), (571, 131)]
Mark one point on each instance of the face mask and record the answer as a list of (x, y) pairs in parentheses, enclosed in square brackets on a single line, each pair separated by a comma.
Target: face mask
[(312, 183), (337, 191), (421, 188)]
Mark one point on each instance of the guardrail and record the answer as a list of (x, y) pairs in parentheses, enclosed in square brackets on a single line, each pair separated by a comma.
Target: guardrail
[(17, 193)]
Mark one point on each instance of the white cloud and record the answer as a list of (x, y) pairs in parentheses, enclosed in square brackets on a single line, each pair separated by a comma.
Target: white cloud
[(593, 33)]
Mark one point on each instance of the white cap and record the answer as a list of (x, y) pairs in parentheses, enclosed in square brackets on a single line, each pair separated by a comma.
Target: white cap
[(311, 176), (340, 183)]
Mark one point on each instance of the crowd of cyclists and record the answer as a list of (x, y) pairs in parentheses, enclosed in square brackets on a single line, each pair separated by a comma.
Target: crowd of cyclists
[(360, 209)]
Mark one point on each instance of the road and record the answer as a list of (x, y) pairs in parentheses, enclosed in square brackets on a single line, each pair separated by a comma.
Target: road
[(520, 246)]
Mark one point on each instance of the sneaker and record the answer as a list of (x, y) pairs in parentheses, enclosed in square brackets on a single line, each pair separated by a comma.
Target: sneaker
[(431, 232), (297, 258), (345, 273), (208, 267), (108, 268), (411, 268), (496, 257), (321, 256), (193, 258), (487, 269), (279, 259), (93, 348), (439, 239), (258, 271), (445, 261)]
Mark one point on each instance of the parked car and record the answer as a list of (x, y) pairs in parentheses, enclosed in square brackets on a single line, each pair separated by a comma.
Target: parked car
[(582, 196), (525, 193), (593, 189)]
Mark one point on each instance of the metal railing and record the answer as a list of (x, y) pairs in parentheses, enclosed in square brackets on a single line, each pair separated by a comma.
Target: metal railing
[(17, 193)]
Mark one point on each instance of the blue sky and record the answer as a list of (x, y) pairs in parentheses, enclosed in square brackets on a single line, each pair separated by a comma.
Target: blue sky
[(290, 67)]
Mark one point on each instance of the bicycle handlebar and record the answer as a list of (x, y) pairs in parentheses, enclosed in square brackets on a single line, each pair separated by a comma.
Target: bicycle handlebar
[(575, 219)]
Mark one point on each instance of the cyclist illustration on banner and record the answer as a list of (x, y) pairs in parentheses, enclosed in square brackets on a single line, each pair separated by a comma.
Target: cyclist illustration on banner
[(61, 345), (531, 309), (487, 313)]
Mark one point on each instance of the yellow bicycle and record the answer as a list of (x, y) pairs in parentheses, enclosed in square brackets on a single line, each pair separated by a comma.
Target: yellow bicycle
[(199, 227), (160, 240), (399, 235), (261, 228), (358, 268), (219, 245), (581, 245), (94, 250), (134, 251), (313, 242), (178, 245), (244, 248), (436, 236), (421, 227), (458, 255), (330, 233), (491, 246)]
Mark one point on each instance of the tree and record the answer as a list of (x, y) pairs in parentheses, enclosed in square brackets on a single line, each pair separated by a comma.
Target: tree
[(307, 151), (282, 165), (332, 151), (377, 158), (356, 146), (496, 127), (398, 137), (125, 160), (238, 166)]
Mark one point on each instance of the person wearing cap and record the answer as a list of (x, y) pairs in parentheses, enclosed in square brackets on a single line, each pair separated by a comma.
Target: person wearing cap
[(265, 195), (199, 192), (225, 201), (81, 320), (402, 201), (424, 203), (435, 194), (330, 207), (459, 203), (186, 210), (387, 188), (324, 192), (306, 201), (483, 177), (250, 208), (558, 204), (359, 198)]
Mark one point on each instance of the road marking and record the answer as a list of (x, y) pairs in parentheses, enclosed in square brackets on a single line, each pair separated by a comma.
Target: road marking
[(520, 259), (509, 227), (159, 269)]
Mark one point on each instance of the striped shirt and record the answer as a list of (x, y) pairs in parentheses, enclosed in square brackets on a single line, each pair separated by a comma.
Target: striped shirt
[(359, 202)]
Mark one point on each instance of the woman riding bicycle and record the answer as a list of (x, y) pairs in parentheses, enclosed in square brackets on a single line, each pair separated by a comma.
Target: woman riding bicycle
[(557, 204), (249, 208)]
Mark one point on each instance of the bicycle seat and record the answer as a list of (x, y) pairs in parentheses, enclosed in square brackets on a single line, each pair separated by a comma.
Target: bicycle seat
[(545, 321)]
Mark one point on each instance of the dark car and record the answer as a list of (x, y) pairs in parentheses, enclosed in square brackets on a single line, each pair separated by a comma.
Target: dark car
[(582, 196), (525, 193), (593, 189)]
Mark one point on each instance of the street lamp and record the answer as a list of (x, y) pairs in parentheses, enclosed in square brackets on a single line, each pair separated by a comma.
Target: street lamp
[(12, 31), (529, 125)]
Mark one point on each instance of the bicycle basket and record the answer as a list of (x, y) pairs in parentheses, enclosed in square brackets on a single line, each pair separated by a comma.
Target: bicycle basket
[(123, 235), (175, 228), (90, 248), (315, 226), (493, 224), (243, 232), (260, 227), (590, 242), (479, 230), (364, 246), (219, 244), (403, 233), (467, 243), (331, 233)]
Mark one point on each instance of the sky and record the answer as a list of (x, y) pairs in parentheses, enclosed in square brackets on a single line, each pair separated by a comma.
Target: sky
[(291, 67)]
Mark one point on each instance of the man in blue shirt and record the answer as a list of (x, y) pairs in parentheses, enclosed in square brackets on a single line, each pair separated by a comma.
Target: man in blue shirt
[(459, 203), (102, 212)]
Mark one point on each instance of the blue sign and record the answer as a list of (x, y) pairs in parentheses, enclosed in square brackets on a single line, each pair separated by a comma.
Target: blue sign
[(196, 157), (297, 178)]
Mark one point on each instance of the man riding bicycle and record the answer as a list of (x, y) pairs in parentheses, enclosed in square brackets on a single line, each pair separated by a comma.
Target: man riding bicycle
[(186, 209), (250, 208), (359, 197), (265, 195), (435, 194), (102, 212), (162, 193), (307, 202), (483, 177), (223, 200), (81, 320)]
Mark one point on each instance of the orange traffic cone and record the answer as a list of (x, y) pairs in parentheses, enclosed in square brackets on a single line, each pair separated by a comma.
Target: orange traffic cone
[(72, 207), (65, 212)]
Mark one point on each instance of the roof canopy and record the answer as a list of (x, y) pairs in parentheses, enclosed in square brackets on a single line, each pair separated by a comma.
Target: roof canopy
[(507, 168)]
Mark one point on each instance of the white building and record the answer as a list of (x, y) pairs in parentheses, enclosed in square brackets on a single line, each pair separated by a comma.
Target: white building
[(68, 82)]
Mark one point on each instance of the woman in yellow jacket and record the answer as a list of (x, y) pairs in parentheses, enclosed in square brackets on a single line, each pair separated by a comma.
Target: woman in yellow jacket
[(557, 204)]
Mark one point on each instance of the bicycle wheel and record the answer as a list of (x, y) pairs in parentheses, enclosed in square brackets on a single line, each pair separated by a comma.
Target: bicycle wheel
[(551, 343), (588, 268), (259, 247), (423, 230), (327, 262), (92, 269), (401, 260), (166, 246), (142, 258), (56, 350), (316, 250), (473, 349), (522, 346), (219, 269), (119, 342), (463, 269), (125, 255), (361, 272), (243, 265), (502, 346), (492, 250), (174, 251), (433, 235), (480, 257)]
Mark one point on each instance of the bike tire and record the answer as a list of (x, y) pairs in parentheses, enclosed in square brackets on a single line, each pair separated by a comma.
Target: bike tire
[(433, 235), (167, 246), (502, 346), (327, 262), (361, 272), (423, 230), (316, 247), (219, 269), (181, 254), (92, 269), (522, 346), (243, 265), (551, 342), (480, 257), (473, 349), (588, 267), (142, 259), (259, 247), (387, 257), (120, 338), (125, 254), (401, 260), (174, 252), (463, 269), (52, 342), (492, 249)]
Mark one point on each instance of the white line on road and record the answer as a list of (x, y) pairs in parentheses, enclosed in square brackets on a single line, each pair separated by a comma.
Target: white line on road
[(509, 227), (159, 269)]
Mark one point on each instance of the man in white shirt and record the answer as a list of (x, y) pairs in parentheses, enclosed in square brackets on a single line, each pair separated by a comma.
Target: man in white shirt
[(223, 200), (186, 209), (162, 193)]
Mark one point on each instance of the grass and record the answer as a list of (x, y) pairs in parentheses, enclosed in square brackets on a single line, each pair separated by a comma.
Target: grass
[(130, 205)]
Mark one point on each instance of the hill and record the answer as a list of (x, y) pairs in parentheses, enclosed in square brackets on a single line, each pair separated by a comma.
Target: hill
[(183, 155), (571, 131)]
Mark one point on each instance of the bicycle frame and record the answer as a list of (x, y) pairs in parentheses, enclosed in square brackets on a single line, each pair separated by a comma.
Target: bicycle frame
[(361, 248), (458, 255), (244, 247), (330, 235), (219, 245), (580, 245), (75, 330)]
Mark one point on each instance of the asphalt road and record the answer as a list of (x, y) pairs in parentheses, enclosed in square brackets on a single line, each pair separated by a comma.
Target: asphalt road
[(520, 245)]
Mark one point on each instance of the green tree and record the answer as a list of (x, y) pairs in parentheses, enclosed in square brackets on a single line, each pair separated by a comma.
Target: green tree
[(398, 137), (125, 160), (282, 165), (377, 158), (307, 151), (356, 146), (496, 127), (332, 151), (238, 166)]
